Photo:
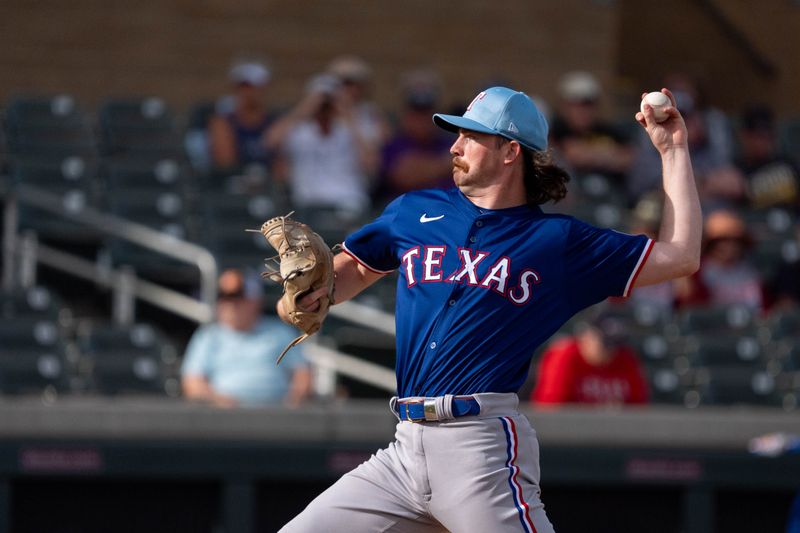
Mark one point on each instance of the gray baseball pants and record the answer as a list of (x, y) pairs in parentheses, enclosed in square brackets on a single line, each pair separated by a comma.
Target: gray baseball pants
[(475, 474)]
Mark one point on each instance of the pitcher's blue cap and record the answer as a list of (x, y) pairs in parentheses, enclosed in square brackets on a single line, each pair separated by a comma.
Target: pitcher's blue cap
[(501, 111)]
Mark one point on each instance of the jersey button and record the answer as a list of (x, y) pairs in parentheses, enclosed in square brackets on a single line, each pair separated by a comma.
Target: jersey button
[(452, 303), (433, 345), (479, 223), (472, 239)]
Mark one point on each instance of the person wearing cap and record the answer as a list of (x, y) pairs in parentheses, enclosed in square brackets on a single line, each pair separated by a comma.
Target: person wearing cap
[(485, 277), (328, 162), (595, 366), (231, 362), (583, 140), (236, 136), (726, 276), (417, 156), (773, 179), (355, 76)]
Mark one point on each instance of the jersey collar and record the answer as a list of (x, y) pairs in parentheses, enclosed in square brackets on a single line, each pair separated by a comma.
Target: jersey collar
[(467, 207)]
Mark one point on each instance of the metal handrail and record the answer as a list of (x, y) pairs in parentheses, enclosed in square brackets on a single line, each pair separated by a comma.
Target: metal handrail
[(200, 311), (133, 232)]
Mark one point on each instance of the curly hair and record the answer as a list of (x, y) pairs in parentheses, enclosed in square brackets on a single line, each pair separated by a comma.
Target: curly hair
[(544, 180)]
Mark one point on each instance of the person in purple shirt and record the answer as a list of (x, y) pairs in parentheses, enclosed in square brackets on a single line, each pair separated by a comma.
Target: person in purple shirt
[(418, 156)]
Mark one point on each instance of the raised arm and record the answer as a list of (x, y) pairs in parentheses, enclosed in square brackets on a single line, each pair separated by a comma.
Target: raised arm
[(351, 279), (676, 253)]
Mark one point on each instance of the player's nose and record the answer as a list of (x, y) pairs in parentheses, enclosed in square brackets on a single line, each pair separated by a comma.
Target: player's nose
[(455, 149)]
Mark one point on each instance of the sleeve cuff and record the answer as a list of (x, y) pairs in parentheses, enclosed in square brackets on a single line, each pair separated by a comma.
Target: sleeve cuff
[(638, 268)]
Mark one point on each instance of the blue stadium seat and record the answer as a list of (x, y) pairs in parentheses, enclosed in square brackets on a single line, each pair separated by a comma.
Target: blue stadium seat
[(138, 127), (32, 356), (135, 359), (722, 319), (34, 302), (724, 351), (48, 126), (75, 180)]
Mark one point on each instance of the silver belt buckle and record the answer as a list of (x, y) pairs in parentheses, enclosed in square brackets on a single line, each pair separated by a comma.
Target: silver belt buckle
[(429, 408)]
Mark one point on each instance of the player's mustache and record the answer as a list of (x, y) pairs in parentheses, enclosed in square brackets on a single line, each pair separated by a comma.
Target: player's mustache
[(460, 164)]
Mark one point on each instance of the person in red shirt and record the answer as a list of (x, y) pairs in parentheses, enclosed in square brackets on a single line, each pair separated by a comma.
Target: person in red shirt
[(592, 367)]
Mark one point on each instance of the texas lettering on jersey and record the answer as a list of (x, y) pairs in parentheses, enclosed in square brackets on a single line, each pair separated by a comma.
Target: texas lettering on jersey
[(423, 264)]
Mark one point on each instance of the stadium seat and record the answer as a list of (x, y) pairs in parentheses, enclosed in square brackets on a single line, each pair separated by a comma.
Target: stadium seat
[(790, 138), (196, 138), (33, 302), (597, 188), (48, 126), (32, 356), (654, 348), (138, 126), (74, 179), (666, 386), (731, 385), (225, 219), (784, 323), (134, 359), (724, 350), (162, 209), (640, 317), (139, 173), (723, 319)]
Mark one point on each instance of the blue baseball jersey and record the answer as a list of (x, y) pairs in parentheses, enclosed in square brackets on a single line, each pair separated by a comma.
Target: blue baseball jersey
[(480, 289)]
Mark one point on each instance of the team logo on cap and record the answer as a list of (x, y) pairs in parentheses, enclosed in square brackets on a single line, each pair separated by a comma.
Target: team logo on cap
[(481, 96)]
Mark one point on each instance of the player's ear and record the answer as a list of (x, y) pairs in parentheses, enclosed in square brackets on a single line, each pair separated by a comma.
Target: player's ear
[(513, 150)]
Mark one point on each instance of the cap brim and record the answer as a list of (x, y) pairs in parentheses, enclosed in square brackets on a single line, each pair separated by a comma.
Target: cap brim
[(454, 123)]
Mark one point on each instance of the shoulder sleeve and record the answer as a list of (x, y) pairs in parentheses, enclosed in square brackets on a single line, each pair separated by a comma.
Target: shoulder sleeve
[(600, 263), (197, 359), (373, 246)]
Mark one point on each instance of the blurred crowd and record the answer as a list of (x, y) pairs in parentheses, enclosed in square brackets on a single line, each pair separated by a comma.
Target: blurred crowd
[(336, 148), (337, 157)]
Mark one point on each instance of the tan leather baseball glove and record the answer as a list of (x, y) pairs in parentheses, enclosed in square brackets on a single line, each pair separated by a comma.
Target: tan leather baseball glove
[(305, 265)]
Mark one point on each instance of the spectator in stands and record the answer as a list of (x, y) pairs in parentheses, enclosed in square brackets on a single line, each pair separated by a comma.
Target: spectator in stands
[(355, 76), (592, 367), (726, 276), (231, 362), (236, 135), (328, 160), (711, 147), (418, 156), (586, 142), (772, 178)]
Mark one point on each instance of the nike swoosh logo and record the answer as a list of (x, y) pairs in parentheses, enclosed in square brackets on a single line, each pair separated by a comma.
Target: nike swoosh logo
[(425, 218)]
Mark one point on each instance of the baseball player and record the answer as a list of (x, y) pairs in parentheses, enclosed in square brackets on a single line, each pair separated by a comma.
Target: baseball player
[(484, 278)]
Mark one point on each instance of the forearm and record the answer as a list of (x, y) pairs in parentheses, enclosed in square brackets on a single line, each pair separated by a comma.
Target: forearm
[(197, 388), (351, 277), (681, 223)]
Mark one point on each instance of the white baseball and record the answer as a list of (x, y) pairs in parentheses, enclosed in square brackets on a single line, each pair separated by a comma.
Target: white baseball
[(658, 101)]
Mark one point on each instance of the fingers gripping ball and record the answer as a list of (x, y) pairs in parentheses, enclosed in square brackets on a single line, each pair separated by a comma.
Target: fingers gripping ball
[(305, 265), (658, 101)]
